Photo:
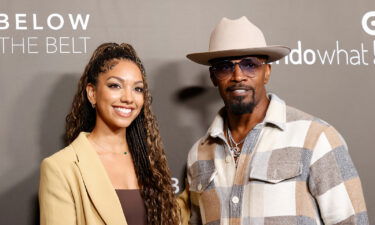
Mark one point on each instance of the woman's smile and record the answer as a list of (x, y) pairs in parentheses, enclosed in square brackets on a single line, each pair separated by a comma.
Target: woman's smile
[(118, 95), (123, 111)]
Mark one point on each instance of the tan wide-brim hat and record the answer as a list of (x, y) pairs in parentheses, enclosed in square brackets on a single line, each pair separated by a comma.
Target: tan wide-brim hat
[(238, 38)]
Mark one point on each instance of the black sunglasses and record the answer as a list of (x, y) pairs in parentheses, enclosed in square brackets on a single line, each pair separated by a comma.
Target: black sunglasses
[(224, 68)]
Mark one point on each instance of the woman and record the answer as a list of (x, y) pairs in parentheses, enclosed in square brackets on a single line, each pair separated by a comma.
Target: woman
[(114, 169)]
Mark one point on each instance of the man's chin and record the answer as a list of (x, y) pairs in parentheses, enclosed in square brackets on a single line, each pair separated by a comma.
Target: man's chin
[(241, 108)]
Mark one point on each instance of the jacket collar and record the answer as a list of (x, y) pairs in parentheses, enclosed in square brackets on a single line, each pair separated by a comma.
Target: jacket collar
[(97, 182), (276, 112), (275, 116)]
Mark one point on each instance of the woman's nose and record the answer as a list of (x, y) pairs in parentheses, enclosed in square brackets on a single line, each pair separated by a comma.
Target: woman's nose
[(127, 95)]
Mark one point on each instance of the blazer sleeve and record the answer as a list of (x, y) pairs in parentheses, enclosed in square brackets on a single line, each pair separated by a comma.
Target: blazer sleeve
[(55, 199), (184, 203)]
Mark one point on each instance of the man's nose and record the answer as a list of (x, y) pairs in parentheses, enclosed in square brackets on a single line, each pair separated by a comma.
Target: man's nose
[(238, 75)]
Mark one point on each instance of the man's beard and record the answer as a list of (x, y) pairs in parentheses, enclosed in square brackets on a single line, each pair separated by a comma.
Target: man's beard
[(238, 107)]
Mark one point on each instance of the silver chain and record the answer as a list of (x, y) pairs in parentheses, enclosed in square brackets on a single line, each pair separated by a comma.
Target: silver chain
[(236, 150)]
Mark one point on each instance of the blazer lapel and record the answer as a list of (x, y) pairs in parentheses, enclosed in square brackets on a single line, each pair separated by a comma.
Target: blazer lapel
[(97, 182)]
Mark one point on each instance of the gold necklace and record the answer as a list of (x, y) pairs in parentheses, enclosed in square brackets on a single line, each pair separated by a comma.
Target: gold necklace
[(125, 152)]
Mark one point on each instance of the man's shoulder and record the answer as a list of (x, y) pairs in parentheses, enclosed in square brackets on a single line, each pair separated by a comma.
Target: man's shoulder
[(300, 121), (296, 115), (204, 146), (285, 114), (193, 152)]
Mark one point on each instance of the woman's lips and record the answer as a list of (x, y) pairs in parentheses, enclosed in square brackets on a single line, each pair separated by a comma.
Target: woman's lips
[(122, 111)]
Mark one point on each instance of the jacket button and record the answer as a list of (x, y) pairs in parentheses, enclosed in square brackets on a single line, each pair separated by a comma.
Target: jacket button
[(235, 199), (199, 187)]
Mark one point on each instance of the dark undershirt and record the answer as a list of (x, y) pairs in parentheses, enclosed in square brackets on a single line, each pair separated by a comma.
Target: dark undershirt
[(132, 206)]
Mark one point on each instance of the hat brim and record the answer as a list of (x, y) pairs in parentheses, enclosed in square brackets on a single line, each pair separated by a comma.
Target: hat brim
[(274, 53)]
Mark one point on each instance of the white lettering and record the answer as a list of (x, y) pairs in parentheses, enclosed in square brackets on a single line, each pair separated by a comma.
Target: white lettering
[(3, 43), (79, 19), (53, 45), (363, 54), (20, 21), (356, 57), (326, 56), (4, 20), (51, 42), (305, 56), (175, 185), (60, 23), (66, 45), (84, 43), (287, 59), (339, 51), (54, 21), (63, 44), (74, 48), (22, 45), (30, 44), (35, 23), (298, 53), (365, 23), (338, 55)]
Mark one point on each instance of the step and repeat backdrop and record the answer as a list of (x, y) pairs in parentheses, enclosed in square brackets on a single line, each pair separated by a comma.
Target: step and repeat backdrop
[(44, 46)]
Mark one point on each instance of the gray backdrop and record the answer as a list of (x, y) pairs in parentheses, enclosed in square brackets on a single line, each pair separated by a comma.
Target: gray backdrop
[(329, 74)]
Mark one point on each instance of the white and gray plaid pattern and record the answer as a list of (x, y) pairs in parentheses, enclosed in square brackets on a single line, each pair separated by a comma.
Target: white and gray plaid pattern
[(293, 169)]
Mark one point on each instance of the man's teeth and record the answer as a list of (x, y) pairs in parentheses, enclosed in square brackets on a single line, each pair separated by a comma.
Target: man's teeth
[(123, 110), (239, 91)]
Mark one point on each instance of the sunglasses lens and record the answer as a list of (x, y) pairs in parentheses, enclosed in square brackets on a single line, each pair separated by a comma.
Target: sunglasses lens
[(223, 69), (249, 65)]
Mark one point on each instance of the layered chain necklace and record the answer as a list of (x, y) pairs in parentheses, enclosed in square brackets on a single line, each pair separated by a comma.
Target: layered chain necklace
[(234, 145)]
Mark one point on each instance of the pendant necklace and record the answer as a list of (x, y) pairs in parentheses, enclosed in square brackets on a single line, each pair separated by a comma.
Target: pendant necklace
[(234, 145), (125, 152)]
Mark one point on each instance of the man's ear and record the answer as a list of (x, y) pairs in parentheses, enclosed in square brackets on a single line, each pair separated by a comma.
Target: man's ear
[(213, 78), (91, 93), (267, 73)]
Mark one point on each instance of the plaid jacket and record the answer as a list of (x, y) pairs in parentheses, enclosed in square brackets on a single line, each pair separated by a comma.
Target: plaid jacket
[(293, 169)]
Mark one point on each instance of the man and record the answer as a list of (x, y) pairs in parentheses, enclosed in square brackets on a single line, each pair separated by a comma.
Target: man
[(261, 161)]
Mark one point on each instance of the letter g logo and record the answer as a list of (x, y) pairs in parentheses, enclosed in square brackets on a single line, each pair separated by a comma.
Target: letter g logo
[(368, 23)]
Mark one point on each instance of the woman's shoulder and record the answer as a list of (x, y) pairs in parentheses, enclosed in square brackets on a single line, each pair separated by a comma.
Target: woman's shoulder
[(68, 155), (62, 157), (59, 169)]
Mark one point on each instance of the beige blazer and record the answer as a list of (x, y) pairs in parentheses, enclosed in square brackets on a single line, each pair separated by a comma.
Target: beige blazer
[(75, 188)]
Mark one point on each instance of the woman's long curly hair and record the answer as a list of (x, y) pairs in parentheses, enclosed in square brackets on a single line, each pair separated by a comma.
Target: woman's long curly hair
[(154, 177)]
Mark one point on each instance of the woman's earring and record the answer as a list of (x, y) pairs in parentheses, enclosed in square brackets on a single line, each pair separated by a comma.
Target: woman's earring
[(93, 105)]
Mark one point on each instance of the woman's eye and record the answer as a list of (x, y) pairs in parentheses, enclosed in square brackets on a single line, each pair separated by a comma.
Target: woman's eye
[(139, 89), (114, 85)]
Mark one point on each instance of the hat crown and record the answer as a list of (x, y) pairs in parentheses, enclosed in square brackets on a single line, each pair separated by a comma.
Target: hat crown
[(236, 34), (238, 38)]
